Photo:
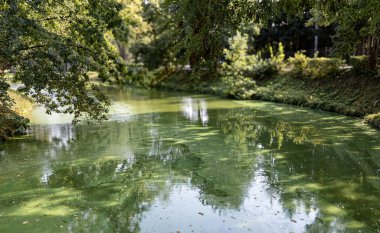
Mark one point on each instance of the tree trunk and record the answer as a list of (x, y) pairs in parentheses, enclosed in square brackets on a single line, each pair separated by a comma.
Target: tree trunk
[(316, 40), (374, 49), (122, 50)]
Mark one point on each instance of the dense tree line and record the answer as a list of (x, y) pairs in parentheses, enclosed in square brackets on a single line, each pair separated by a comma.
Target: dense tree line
[(51, 46)]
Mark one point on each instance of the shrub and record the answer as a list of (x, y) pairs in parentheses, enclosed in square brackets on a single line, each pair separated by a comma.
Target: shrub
[(236, 55), (298, 64), (144, 77), (278, 58), (314, 68), (242, 65), (239, 87), (359, 63), (260, 69), (323, 67)]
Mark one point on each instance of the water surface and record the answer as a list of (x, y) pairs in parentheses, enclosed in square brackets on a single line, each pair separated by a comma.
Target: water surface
[(168, 162)]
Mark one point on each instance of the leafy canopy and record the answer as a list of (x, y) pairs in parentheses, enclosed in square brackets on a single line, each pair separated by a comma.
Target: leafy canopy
[(51, 45)]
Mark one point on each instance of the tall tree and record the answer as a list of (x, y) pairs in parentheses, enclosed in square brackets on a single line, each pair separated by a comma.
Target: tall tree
[(203, 28), (356, 20), (51, 45)]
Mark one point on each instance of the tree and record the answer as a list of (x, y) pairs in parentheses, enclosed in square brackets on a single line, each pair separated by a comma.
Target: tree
[(133, 28), (202, 29), (51, 45), (357, 20), (154, 49), (294, 34)]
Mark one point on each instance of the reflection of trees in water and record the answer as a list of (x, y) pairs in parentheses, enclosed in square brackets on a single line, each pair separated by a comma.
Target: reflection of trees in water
[(123, 167), (338, 175), (246, 128), (123, 195), (136, 181)]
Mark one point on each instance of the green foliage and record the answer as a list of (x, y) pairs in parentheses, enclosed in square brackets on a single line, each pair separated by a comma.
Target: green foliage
[(236, 55), (239, 63), (234, 71), (314, 68), (202, 28), (298, 64), (323, 67), (52, 45), (260, 69), (193, 33), (355, 21), (154, 48), (278, 58), (240, 70), (239, 87), (145, 77), (5, 100), (373, 119), (359, 63), (11, 124)]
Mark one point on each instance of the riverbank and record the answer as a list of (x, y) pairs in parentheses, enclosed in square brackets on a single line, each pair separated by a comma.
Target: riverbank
[(15, 121), (347, 93)]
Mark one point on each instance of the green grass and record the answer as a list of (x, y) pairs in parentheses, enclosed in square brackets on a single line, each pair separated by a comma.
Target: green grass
[(345, 94)]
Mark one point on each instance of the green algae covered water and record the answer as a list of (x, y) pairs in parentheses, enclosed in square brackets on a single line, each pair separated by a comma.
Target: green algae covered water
[(172, 162)]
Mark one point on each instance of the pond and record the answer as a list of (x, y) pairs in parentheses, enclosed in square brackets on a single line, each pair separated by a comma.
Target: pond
[(177, 162)]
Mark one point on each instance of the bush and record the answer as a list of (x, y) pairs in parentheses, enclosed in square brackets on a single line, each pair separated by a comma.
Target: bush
[(298, 64), (144, 77), (359, 63), (260, 69), (239, 87), (244, 66), (314, 68), (278, 58), (323, 67)]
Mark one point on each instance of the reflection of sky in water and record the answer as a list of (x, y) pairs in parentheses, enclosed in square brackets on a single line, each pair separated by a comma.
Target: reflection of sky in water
[(182, 211), (195, 109), (58, 135)]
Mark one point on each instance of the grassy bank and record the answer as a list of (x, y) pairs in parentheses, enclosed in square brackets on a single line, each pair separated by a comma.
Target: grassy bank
[(347, 93), (14, 121)]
